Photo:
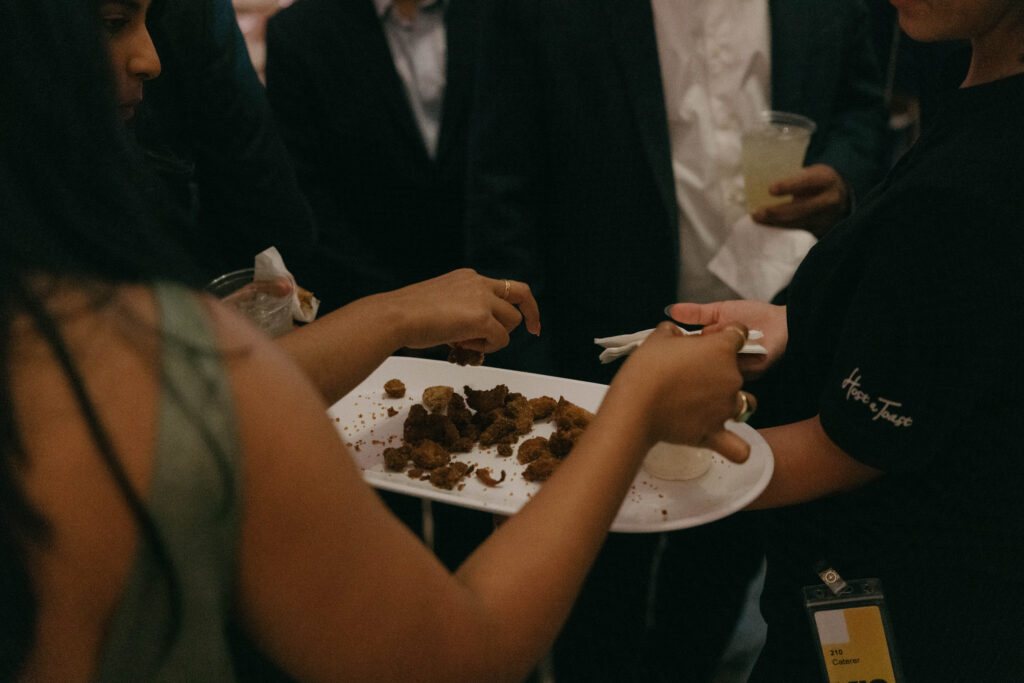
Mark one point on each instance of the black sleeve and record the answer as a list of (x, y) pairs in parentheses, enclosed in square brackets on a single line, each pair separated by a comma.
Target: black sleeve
[(921, 372)]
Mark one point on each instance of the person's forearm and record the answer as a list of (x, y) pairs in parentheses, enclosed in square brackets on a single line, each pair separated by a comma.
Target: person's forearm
[(339, 350), (553, 540), (808, 465)]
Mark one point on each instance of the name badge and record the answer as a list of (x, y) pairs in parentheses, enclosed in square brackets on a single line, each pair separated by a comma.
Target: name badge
[(851, 625)]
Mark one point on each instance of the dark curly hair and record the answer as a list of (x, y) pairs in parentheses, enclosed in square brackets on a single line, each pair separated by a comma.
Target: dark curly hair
[(74, 204)]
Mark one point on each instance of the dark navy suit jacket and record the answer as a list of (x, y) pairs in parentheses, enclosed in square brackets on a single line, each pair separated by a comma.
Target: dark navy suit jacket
[(571, 185), (206, 127), (388, 214)]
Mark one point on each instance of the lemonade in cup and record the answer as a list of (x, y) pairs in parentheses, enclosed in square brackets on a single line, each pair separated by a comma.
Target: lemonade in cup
[(773, 149)]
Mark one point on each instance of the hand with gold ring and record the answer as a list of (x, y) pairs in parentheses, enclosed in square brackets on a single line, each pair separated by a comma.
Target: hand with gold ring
[(461, 308), (723, 315), (742, 338), (685, 388)]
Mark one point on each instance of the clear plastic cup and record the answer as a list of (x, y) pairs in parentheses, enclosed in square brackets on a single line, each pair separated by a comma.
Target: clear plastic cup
[(773, 149), (267, 303)]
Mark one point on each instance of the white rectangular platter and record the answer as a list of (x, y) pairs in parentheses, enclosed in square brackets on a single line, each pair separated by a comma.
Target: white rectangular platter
[(364, 420)]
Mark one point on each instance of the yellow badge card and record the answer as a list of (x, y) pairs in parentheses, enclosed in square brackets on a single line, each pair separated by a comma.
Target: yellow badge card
[(854, 645)]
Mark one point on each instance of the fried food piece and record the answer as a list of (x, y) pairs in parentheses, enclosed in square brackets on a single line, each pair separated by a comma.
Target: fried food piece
[(484, 475), (448, 476), (568, 415), (486, 400), (395, 459), (541, 468), (542, 407), (436, 399), (463, 444), (420, 425), (429, 455), (518, 409), (307, 302), (395, 388), (504, 450), (462, 356), (534, 448), (484, 420), (502, 430), (470, 431), (562, 441), (459, 413)]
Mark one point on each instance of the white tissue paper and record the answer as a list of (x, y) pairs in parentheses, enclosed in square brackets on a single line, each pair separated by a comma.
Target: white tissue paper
[(624, 344), (757, 261), (268, 266)]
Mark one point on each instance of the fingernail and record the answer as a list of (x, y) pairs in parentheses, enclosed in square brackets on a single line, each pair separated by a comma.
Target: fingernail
[(668, 310)]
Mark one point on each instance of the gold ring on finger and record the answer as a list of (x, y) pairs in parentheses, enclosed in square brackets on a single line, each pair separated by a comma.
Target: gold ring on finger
[(738, 331), (746, 408)]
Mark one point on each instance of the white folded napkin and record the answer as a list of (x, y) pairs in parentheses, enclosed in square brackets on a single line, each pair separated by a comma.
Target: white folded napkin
[(757, 261), (624, 344), (269, 266)]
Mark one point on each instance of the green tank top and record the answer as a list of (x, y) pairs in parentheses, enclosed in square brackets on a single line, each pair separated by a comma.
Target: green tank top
[(195, 501)]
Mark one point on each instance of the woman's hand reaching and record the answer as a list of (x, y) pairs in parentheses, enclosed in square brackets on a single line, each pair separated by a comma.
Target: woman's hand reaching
[(461, 308), (757, 315), (684, 388)]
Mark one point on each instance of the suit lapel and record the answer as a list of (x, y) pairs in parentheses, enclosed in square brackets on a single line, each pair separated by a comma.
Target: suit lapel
[(362, 40), (462, 28), (635, 46)]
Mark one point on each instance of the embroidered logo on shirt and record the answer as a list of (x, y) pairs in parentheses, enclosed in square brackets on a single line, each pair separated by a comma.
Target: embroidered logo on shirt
[(883, 408)]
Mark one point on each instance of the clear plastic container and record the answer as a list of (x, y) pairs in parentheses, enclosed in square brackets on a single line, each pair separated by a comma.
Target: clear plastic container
[(773, 149), (261, 302)]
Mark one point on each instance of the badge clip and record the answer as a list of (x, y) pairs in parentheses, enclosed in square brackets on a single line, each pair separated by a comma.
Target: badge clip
[(852, 629)]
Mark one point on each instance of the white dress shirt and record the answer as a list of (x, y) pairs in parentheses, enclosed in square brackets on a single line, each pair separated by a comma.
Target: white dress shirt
[(715, 69), (420, 52)]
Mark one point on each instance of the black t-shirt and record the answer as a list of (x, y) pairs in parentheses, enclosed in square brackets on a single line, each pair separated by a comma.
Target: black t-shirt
[(905, 325)]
